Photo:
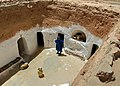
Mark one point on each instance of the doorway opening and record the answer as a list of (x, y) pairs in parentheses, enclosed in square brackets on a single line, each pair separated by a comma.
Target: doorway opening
[(94, 48), (61, 36), (22, 47), (40, 40)]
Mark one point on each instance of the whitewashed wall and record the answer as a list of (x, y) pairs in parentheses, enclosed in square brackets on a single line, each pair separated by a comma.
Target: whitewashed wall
[(8, 51), (49, 36), (85, 48), (9, 48), (31, 39)]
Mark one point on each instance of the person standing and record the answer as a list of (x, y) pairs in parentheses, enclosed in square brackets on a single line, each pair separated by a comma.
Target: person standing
[(59, 45)]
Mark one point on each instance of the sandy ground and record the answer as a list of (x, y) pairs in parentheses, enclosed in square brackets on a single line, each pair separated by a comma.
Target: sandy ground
[(58, 70)]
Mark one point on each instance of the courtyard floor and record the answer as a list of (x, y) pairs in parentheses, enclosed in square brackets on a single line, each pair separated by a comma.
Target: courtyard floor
[(58, 70)]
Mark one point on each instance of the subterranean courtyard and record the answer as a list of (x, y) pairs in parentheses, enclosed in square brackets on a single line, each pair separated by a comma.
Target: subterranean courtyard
[(91, 35)]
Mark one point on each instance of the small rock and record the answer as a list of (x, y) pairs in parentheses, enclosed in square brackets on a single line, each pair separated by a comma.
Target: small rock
[(24, 66)]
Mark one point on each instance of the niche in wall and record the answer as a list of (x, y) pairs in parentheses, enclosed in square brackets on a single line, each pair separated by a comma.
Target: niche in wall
[(40, 40), (79, 35), (22, 47)]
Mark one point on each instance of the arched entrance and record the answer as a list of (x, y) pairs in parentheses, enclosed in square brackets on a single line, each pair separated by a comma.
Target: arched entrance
[(79, 35), (94, 48), (22, 47), (40, 39)]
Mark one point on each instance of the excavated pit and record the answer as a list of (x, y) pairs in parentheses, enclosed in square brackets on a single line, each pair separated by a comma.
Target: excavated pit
[(48, 14), (95, 19)]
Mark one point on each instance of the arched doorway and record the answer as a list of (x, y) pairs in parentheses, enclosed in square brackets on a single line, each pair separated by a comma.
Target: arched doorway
[(22, 47), (94, 48), (40, 40), (79, 35)]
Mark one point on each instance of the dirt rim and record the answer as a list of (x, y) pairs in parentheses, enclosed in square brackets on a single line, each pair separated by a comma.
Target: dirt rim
[(46, 13)]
